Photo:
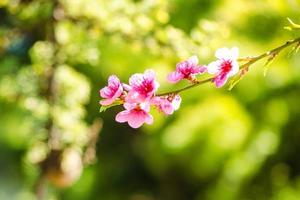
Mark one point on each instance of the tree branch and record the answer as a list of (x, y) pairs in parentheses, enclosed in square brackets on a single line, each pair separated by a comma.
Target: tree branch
[(250, 61)]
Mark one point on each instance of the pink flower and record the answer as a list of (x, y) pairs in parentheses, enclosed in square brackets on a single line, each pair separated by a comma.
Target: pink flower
[(167, 104), (111, 92), (186, 70), (143, 87), (135, 114), (226, 65)]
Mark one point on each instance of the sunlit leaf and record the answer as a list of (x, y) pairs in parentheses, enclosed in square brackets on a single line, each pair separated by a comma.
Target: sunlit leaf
[(292, 26), (116, 103)]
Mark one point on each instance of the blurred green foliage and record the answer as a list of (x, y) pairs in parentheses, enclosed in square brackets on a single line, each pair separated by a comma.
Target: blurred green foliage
[(242, 144)]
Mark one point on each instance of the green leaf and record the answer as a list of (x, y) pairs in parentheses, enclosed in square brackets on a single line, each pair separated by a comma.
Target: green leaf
[(116, 103), (292, 26)]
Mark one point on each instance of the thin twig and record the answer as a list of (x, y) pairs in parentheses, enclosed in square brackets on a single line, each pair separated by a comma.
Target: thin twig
[(187, 87), (250, 61)]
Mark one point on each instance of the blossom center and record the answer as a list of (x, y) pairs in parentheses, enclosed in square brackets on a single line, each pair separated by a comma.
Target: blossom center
[(146, 87), (186, 71), (226, 66)]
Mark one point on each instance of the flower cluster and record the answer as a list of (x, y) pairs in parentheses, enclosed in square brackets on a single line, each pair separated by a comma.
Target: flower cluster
[(140, 95)]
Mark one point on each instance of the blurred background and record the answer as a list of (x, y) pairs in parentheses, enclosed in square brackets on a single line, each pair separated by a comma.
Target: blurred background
[(55, 55)]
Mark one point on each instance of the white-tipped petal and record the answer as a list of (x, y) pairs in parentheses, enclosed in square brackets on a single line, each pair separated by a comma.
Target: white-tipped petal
[(235, 68), (213, 67), (234, 53), (223, 53), (193, 60)]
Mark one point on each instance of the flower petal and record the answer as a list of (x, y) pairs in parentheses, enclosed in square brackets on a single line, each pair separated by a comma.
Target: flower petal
[(129, 106), (235, 68), (118, 93), (106, 92), (234, 53), (112, 91), (181, 66), (199, 69), (176, 102), (193, 60), (223, 53), (149, 119), (135, 97), (135, 80), (143, 86), (166, 107), (137, 118), (213, 67), (174, 77), (220, 80), (149, 74), (113, 80), (122, 116), (126, 86), (134, 117)]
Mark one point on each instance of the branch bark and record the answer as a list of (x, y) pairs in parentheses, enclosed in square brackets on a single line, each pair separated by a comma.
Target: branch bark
[(249, 62)]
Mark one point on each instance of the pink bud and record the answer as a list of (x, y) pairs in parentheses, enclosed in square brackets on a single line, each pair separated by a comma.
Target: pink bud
[(186, 70), (111, 92)]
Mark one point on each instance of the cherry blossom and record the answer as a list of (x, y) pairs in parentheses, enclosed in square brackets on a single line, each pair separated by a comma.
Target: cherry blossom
[(226, 65), (143, 87), (139, 95), (111, 92), (186, 70), (167, 104), (135, 114)]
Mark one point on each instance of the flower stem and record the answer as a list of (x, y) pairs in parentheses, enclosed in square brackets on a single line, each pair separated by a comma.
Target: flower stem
[(249, 62)]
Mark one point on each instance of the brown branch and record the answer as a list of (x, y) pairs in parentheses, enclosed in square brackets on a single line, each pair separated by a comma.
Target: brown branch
[(250, 61)]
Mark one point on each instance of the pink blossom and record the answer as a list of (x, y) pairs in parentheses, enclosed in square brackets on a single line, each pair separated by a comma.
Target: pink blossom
[(143, 87), (111, 92), (167, 104), (186, 70), (226, 65), (135, 114)]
